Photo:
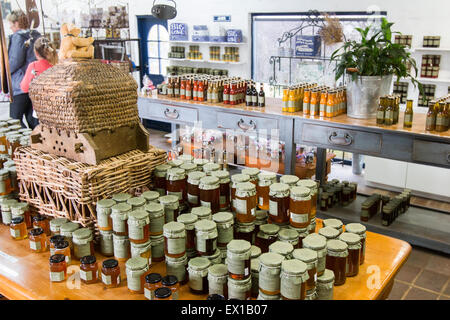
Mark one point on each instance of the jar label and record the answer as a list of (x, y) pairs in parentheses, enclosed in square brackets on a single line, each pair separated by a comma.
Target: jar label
[(157, 250), (119, 225), (236, 266), (273, 208), (14, 233), (261, 99), (241, 206), (82, 250), (215, 287), (86, 275), (195, 282), (176, 245), (299, 218), (106, 279), (192, 199), (408, 117), (6, 217), (35, 245), (380, 115), (255, 99), (289, 289), (57, 276), (205, 204), (440, 121), (177, 194), (121, 250), (136, 233), (149, 294), (156, 225)]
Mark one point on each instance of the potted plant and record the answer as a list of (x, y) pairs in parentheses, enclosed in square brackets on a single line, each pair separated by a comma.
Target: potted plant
[(369, 66)]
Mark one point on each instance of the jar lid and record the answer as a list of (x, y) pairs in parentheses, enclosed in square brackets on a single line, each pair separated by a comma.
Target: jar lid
[(153, 278), (199, 263), (175, 163), (281, 247), (121, 207), (58, 222), (221, 174), (187, 218), (17, 220), (150, 195), (176, 174), (218, 270), (255, 252), (136, 263), (350, 238), (205, 225), (57, 238), (169, 280), (162, 168), (288, 234), (36, 232), (279, 187), (138, 215), (136, 201), (163, 293), (236, 178), (106, 203), (88, 260), (337, 245), (289, 179), (82, 233), (110, 263), (251, 171), (223, 217), (314, 241), (209, 180), (305, 255), (294, 266), (186, 157), (211, 167), (357, 228), (271, 259), (173, 227), (239, 246), (121, 197), (245, 186), (168, 199), (329, 233), (154, 207), (307, 183), (261, 215), (300, 191), (57, 258), (327, 276), (267, 175), (269, 228), (61, 244), (333, 223), (201, 211), (254, 265), (196, 175), (188, 167), (201, 161)]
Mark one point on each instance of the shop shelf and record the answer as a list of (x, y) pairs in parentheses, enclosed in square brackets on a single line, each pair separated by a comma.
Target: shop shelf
[(207, 61), (210, 43)]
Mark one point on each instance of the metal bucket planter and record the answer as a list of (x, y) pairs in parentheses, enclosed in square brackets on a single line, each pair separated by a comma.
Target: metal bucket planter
[(363, 95)]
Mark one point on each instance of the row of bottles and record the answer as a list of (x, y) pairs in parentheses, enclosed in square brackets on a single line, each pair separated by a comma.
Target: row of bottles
[(253, 98), (388, 110), (438, 115)]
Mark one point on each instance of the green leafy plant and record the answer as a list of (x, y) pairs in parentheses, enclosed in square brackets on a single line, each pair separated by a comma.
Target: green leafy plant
[(375, 55)]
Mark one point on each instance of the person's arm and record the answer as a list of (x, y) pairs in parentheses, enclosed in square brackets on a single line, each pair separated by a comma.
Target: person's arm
[(17, 53), (29, 76)]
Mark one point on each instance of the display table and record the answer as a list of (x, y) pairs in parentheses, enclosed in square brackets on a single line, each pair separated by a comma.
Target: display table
[(25, 275)]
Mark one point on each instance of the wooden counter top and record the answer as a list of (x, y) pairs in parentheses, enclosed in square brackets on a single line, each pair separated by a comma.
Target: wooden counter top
[(25, 275)]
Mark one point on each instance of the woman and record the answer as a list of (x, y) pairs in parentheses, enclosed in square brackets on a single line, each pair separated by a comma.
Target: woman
[(21, 54)]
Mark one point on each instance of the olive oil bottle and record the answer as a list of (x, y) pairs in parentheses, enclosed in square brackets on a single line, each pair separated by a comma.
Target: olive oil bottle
[(408, 119), (389, 112), (380, 110), (430, 124), (441, 118)]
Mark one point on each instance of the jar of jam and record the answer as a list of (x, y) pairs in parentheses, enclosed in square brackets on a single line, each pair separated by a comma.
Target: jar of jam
[(206, 235), (163, 293), (193, 192), (290, 180), (208, 168), (293, 275), (239, 289), (360, 230), (244, 231), (157, 248), (55, 225), (157, 219), (111, 273), (261, 218), (245, 202), (89, 270), (265, 180), (238, 259), (171, 207), (18, 228), (106, 243), (353, 242), (176, 163), (325, 285), (329, 233), (159, 178), (176, 184), (317, 243), (186, 158), (177, 267), (289, 236), (137, 203), (121, 197), (268, 234), (313, 191), (103, 209), (336, 260), (188, 168), (198, 275), (174, 239), (254, 270), (119, 217), (282, 248), (62, 247), (269, 273), (83, 244), (333, 223), (224, 222), (136, 268), (235, 179), (172, 283), (152, 282), (202, 213), (22, 209), (121, 248), (252, 173), (58, 268), (309, 257), (54, 239), (279, 203), (224, 183), (218, 280), (210, 193), (67, 230), (38, 240), (150, 196), (138, 226), (189, 221), (42, 222), (300, 207), (200, 163)]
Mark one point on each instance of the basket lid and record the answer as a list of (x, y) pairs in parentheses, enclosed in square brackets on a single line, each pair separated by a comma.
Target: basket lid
[(239, 246), (305, 255)]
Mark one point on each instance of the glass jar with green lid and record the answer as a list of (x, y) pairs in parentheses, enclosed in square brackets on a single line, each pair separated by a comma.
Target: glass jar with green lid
[(244, 231), (198, 275), (239, 289), (279, 203), (254, 270), (283, 248), (136, 268), (353, 242), (202, 213), (200, 163), (208, 168), (210, 193), (218, 280), (359, 229), (289, 236), (83, 244), (290, 180), (329, 233), (268, 234), (313, 191), (269, 273), (224, 222), (300, 205), (136, 203), (193, 191), (55, 225), (175, 163), (119, 215), (174, 239), (5, 182), (104, 210), (150, 196), (206, 235), (188, 167), (265, 180), (157, 247), (138, 226), (325, 285), (121, 197), (157, 219), (176, 184), (186, 158), (333, 223), (122, 249), (336, 260), (387, 216), (245, 202), (177, 267), (235, 179), (238, 259), (293, 276), (252, 173), (317, 243), (67, 230), (159, 178), (309, 257), (255, 252), (224, 182), (106, 243), (171, 207)]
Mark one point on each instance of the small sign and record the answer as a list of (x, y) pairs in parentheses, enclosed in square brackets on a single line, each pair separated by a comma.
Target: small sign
[(222, 19)]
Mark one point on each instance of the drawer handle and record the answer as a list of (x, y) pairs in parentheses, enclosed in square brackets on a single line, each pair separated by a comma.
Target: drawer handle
[(171, 114), (448, 157), (241, 124), (344, 140)]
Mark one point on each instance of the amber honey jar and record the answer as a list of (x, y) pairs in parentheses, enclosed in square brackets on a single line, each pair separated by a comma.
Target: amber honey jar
[(163, 293), (177, 267), (159, 178), (171, 207), (325, 285), (293, 276), (268, 234), (138, 226), (336, 260), (111, 273), (235, 179), (261, 218), (309, 257), (210, 193), (157, 248), (157, 218), (103, 209), (198, 275), (189, 221), (58, 268), (239, 289), (218, 280), (300, 205), (38, 240), (244, 231), (206, 235), (353, 242), (89, 270), (360, 230), (238, 259), (174, 239), (42, 222), (62, 247), (5, 183), (290, 180), (54, 239), (193, 191), (245, 202), (136, 269), (176, 184), (119, 217), (265, 180), (18, 228), (317, 243), (224, 182), (269, 273), (152, 282), (279, 203), (313, 192), (22, 209), (83, 244)]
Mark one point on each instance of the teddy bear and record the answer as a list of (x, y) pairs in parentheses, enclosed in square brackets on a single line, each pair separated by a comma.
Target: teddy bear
[(73, 46)]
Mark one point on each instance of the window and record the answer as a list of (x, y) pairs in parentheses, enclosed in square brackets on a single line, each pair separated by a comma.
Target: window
[(158, 47)]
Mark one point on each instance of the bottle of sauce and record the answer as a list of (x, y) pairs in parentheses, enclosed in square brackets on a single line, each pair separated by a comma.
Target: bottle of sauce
[(306, 101), (261, 97), (183, 89), (226, 94), (430, 124), (188, 89), (408, 119), (254, 96), (170, 88), (233, 94), (248, 96), (195, 91)]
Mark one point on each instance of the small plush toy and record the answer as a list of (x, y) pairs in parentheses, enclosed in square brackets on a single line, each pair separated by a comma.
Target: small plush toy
[(73, 46)]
